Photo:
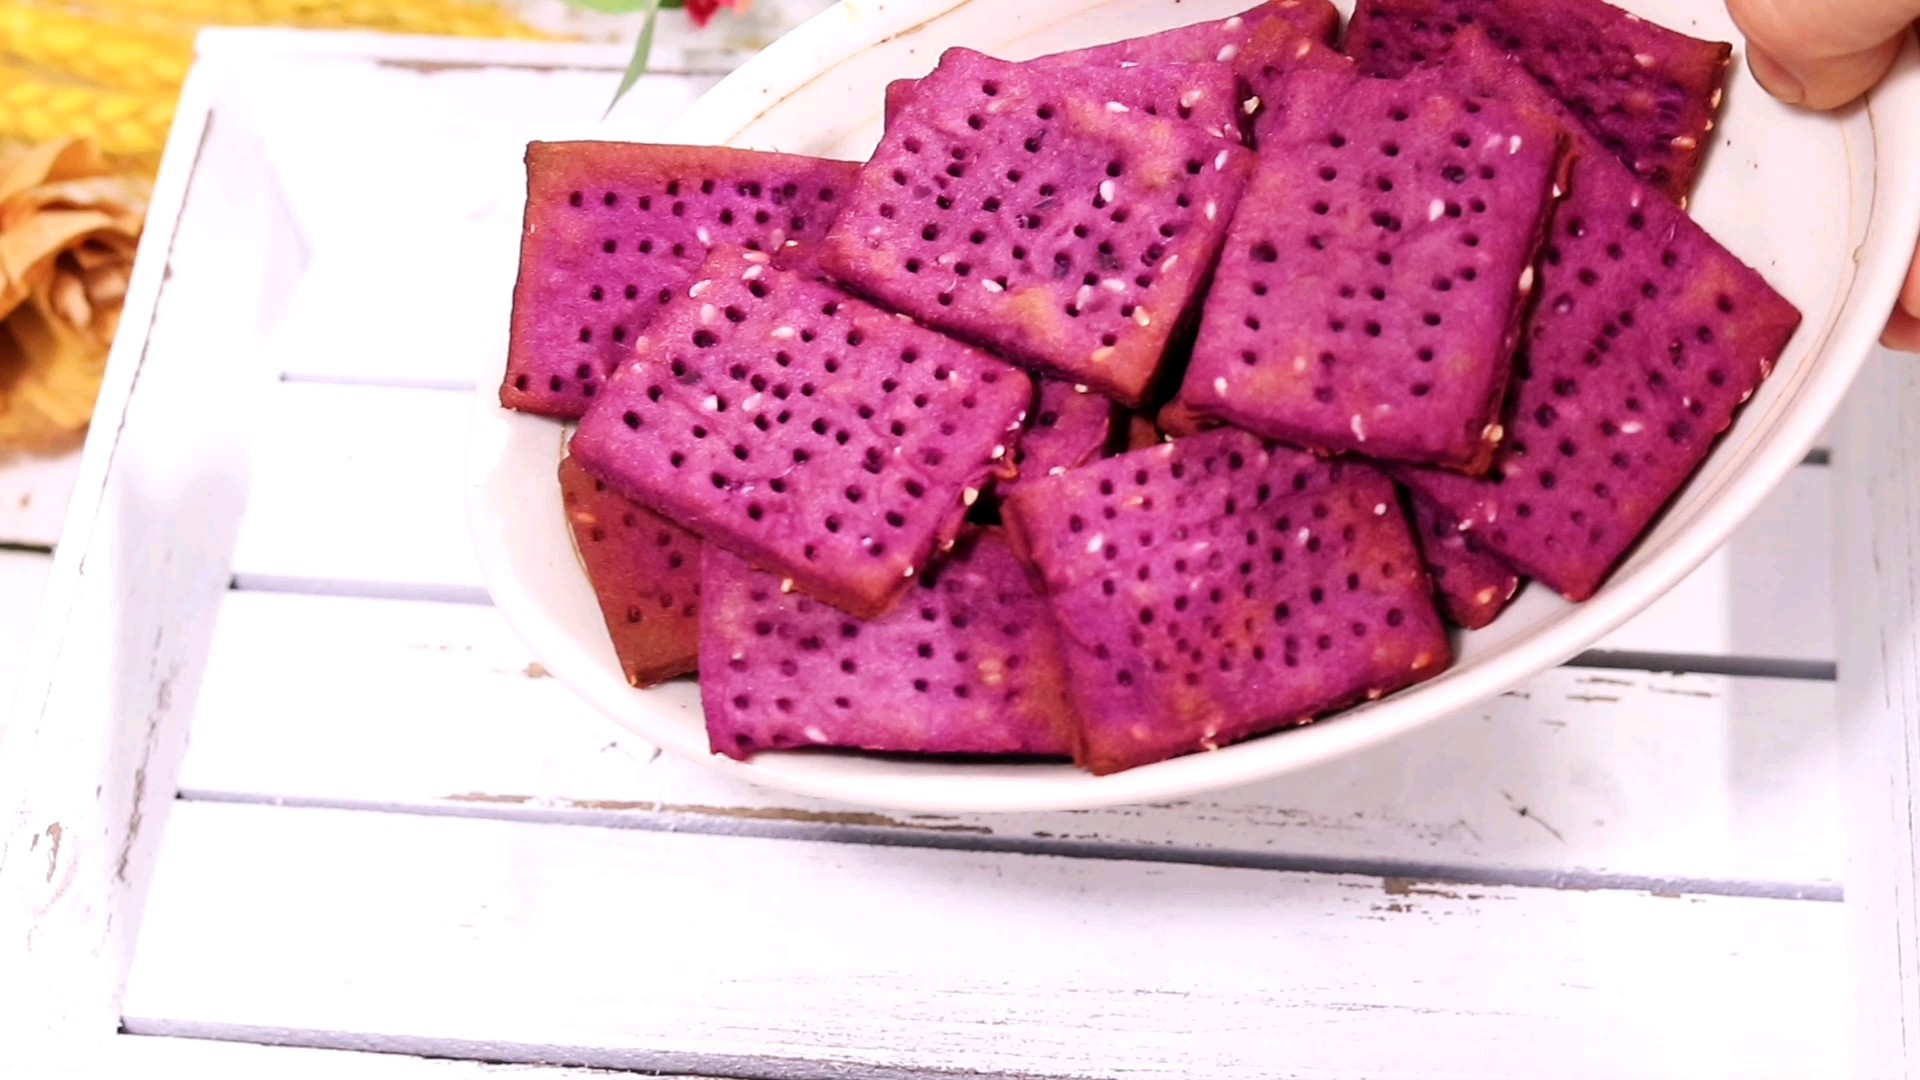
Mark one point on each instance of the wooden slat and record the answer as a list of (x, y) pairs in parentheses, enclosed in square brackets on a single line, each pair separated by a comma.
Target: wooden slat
[(23, 579), (422, 250), (378, 512), (674, 52), (1584, 777), (1766, 594), (88, 753), (34, 489), (731, 956), (1877, 465)]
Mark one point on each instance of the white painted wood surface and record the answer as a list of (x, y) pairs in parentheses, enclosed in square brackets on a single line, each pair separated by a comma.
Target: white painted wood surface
[(1583, 777), (1879, 557), (96, 713), (34, 489), (23, 582), (731, 955), (393, 834)]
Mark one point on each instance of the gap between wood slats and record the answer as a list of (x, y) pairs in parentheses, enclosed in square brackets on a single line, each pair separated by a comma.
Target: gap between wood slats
[(1573, 777), (1693, 664), (648, 950), (535, 1058), (280, 1056)]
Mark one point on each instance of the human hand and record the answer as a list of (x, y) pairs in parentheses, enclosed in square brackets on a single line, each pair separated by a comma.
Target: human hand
[(1824, 54)]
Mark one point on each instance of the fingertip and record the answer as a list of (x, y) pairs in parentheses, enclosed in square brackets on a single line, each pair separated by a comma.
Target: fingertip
[(1775, 77), (1822, 54), (1903, 333), (1833, 83)]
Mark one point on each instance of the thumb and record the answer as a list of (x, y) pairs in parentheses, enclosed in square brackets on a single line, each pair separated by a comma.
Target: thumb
[(1822, 53)]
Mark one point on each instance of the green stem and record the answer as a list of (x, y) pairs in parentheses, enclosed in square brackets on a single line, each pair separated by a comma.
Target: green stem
[(637, 66)]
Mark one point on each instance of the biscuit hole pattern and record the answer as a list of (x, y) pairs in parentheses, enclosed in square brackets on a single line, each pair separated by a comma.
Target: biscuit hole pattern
[(1039, 208), (853, 468), (646, 240), (1598, 73), (800, 664), (1257, 591), (1639, 377), (1422, 188)]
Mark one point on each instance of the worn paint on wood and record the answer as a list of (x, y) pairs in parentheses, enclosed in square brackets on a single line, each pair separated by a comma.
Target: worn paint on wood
[(729, 955), (1878, 462), (1579, 775)]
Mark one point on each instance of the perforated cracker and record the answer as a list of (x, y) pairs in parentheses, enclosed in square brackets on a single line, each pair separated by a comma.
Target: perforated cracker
[(1370, 292), (1069, 426), (1474, 587), (645, 571), (815, 435), (1066, 232), (1205, 95), (1646, 338), (612, 229), (898, 92), (1269, 69), (1212, 589), (1260, 37), (1647, 93), (968, 663)]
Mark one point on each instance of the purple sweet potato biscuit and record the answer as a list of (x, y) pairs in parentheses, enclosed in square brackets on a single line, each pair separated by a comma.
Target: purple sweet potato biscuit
[(612, 229), (968, 663), (1647, 93), (1069, 232), (645, 571), (899, 92), (1069, 426), (1269, 71), (1474, 587), (813, 434), (1205, 95), (1199, 479), (1372, 287), (1646, 338), (1217, 589), (1243, 42)]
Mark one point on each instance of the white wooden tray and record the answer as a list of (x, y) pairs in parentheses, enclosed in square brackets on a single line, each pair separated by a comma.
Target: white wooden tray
[(281, 789)]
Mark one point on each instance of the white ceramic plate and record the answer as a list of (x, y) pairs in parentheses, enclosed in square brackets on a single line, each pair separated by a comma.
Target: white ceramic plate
[(1826, 206)]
